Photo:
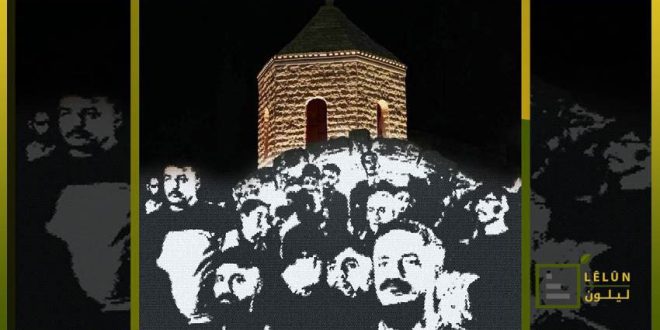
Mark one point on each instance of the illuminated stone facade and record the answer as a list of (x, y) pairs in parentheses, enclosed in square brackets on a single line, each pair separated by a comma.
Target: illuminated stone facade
[(353, 83)]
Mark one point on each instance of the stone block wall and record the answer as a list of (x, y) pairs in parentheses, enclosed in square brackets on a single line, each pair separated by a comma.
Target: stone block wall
[(351, 87)]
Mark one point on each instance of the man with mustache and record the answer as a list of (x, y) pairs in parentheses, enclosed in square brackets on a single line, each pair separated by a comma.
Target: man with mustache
[(90, 155), (180, 184), (491, 209), (183, 214), (88, 124), (407, 259), (183, 208), (90, 137), (483, 214)]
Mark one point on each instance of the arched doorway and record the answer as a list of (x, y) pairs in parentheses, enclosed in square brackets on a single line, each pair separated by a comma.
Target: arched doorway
[(381, 114), (317, 121), (266, 137)]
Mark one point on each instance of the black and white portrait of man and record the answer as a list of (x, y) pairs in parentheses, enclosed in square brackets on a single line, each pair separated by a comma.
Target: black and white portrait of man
[(88, 124)]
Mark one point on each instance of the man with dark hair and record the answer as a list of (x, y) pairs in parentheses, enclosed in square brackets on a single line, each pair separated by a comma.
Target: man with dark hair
[(490, 203), (289, 165), (309, 182), (405, 202), (349, 268), (90, 158), (254, 230), (480, 212), (180, 185), (310, 177), (334, 205), (302, 256), (89, 137), (306, 202), (469, 234), (183, 217), (350, 282), (330, 176), (255, 220), (183, 208), (231, 284), (369, 161), (285, 219), (381, 208), (407, 258), (302, 296), (88, 124)]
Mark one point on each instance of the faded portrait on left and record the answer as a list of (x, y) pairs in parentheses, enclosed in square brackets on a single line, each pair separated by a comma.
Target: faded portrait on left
[(72, 156)]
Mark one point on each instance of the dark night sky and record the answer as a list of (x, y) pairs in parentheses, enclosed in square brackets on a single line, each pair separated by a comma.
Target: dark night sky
[(69, 45), (199, 64), (599, 50)]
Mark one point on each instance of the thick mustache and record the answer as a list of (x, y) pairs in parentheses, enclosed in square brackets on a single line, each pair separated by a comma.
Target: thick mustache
[(396, 283), (82, 132), (228, 296), (175, 193)]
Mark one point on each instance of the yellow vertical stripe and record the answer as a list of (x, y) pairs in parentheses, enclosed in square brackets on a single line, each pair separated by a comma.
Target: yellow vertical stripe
[(3, 164), (135, 164), (525, 58), (655, 163)]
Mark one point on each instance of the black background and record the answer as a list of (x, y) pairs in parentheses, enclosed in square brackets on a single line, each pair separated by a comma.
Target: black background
[(66, 45), (598, 50), (597, 54), (199, 63)]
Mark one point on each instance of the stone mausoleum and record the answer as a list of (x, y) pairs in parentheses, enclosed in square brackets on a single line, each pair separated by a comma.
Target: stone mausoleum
[(331, 79)]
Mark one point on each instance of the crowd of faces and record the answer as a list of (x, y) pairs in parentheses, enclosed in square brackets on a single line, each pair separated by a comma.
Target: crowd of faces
[(383, 252)]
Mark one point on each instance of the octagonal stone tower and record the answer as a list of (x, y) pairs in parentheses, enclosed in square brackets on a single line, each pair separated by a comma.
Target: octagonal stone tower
[(331, 79)]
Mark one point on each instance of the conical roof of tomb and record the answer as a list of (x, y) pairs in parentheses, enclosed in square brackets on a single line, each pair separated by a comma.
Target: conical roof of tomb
[(330, 30)]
